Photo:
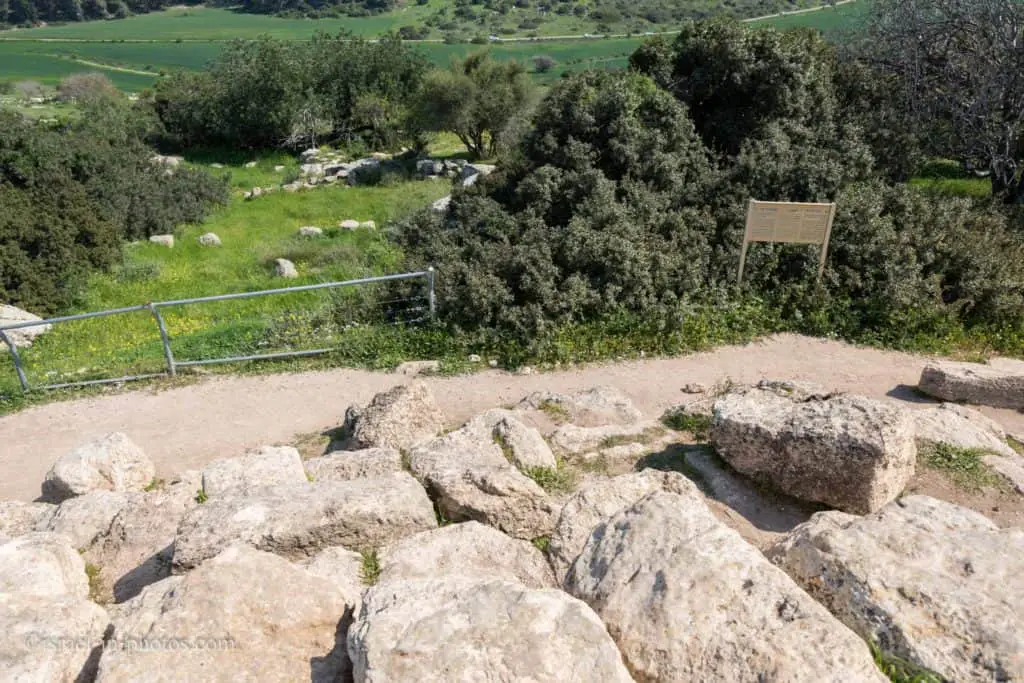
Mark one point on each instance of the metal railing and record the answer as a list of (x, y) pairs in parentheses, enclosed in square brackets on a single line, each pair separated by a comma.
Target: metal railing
[(172, 364)]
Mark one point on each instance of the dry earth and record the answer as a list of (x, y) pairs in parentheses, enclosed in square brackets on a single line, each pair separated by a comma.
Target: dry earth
[(186, 427)]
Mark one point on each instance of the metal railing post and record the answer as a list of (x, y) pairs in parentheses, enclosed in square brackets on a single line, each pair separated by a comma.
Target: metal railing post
[(168, 354), (431, 297), (16, 357)]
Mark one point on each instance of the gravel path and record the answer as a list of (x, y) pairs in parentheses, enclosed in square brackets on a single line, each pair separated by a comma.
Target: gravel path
[(185, 427)]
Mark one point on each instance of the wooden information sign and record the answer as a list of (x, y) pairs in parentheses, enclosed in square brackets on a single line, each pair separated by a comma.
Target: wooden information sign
[(788, 222)]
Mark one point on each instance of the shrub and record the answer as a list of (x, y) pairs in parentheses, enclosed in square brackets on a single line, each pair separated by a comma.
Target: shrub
[(80, 87)]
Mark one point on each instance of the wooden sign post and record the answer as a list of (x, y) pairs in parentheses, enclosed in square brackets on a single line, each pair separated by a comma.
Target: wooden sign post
[(788, 222)]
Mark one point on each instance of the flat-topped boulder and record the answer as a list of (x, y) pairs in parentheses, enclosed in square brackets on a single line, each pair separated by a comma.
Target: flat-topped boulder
[(266, 466), (42, 564), (85, 518), (462, 629), (109, 463), (930, 582), (469, 549), (999, 383), (244, 615), (850, 452), (18, 517), (23, 336), (591, 408), (686, 599), (299, 520), (363, 464)]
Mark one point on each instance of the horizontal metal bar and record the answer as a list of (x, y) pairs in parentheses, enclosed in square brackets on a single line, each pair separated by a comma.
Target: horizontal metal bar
[(91, 382), (289, 290), (78, 316), (266, 356)]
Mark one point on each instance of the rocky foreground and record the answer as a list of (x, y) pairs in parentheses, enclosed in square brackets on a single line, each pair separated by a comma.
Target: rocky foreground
[(532, 543)]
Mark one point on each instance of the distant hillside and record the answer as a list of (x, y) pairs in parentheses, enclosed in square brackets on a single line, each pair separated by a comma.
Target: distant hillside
[(437, 19)]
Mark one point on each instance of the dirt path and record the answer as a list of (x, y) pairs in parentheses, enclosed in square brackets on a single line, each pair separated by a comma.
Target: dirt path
[(186, 427)]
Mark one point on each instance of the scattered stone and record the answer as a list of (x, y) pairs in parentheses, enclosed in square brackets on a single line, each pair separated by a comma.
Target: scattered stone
[(299, 520), (169, 161), (469, 549), (18, 518), (442, 204), (163, 240), (285, 268), (312, 169), (685, 598), (293, 187), (209, 240), (349, 225), (464, 448), (309, 153), (473, 358), (310, 231), (695, 389), (369, 463), (260, 617), (492, 363), (368, 225), (110, 463), (595, 407), (470, 170), (999, 384), (42, 564), (850, 452), (251, 164), (525, 371), (478, 630), (23, 337), (428, 167), (278, 169), (598, 501), (267, 466), (217, 166), (961, 427), (85, 518), (36, 646), (928, 581), (341, 566), (500, 497), (418, 367), (521, 445), (398, 418)]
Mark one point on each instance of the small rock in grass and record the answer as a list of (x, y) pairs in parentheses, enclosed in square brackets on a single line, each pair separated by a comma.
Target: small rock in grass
[(210, 240), (310, 231), (251, 164), (163, 240), (349, 225), (285, 268)]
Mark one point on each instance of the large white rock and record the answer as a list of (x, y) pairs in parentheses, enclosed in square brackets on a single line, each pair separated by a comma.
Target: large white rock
[(42, 564), (267, 466), (962, 427), (462, 629), (342, 567), (850, 452), (85, 518), (442, 204), (299, 520), (592, 408), (930, 582), (368, 463), (109, 463), (573, 439), (247, 615), (18, 517), (999, 384), (685, 598), (50, 640), (310, 231), (398, 418), (209, 239), (523, 446), (285, 268), (469, 549), (598, 501), (163, 240), (22, 337)]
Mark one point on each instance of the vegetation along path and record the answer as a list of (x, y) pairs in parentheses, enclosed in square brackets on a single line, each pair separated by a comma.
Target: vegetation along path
[(185, 427)]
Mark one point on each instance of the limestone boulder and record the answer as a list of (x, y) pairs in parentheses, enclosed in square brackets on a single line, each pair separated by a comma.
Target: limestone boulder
[(299, 520), (469, 549), (462, 629), (285, 268), (85, 518), (521, 445), (415, 368), (163, 240), (685, 598), (929, 581), (244, 615), (209, 239), (398, 418), (849, 452), (463, 449), (592, 408), (962, 427), (310, 231), (340, 566), (572, 439), (50, 640), (597, 502), (500, 497), (368, 463), (267, 466), (24, 336), (999, 383), (442, 204), (44, 565), (109, 463), (18, 518)]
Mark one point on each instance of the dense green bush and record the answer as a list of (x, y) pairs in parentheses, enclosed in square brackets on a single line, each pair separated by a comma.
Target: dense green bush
[(269, 93), (72, 194)]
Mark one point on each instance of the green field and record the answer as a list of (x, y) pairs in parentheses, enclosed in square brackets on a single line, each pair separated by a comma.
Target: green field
[(190, 38)]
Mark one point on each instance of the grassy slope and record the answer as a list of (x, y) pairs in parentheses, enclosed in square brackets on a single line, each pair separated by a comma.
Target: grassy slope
[(253, 234)]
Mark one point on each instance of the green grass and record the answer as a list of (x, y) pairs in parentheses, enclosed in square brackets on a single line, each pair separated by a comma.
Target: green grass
[(900, 670), (542, 543), (558, 479), (680, 420), (201, 496), (645, 437), (978, 188), (965, 467), (554, 410), (93, 574), (369, 571)]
